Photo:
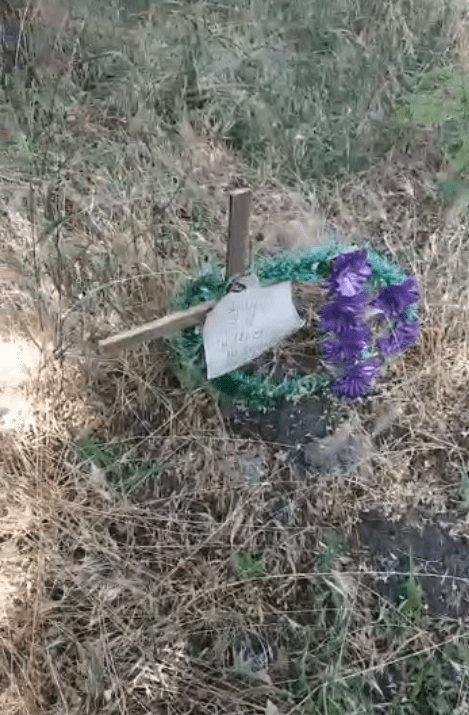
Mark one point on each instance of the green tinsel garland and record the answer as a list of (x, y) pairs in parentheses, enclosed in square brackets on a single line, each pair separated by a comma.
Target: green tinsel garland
[(309, 266)]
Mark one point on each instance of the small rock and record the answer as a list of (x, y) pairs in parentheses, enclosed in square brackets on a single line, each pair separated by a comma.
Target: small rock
[(332, 452)]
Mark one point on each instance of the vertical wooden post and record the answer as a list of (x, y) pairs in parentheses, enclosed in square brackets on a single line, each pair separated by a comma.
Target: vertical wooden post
[(238, 232), (237, 259)]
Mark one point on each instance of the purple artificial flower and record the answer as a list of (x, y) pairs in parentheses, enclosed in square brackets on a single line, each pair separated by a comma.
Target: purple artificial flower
[(341, 314), (401, 337), (393, 301), (348, 274), (356, 381), (350, 346)]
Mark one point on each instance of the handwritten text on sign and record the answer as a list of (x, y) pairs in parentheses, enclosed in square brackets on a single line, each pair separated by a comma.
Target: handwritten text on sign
[(244, 325)]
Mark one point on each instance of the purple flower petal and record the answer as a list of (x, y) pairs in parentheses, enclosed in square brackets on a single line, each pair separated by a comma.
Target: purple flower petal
[(348, 274), (341, 314), (356, 381), (348, 348), (355, 261), (394, 300), (401, 337), (335, 353), (347, 284)]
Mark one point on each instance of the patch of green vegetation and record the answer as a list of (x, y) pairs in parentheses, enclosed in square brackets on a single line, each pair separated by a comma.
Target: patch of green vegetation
[(412, 593), (431, 679), (320, 651), (326, 678), (300, 93), (124, 473), (294, 87), (248, 565), (94, 451), (334, 545), (440, 101), (428, 681)]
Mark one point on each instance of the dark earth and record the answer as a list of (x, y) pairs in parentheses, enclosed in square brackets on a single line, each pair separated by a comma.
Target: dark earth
[(440, 562)]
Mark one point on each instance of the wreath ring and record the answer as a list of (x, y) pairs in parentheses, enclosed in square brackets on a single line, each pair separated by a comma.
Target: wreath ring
[(263, 392)]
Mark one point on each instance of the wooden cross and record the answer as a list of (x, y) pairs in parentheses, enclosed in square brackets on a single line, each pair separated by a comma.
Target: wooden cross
[(238, 244)]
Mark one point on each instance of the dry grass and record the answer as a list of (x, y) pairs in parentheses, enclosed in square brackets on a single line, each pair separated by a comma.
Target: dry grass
[(398, 215), (141, 605), (129, 591)]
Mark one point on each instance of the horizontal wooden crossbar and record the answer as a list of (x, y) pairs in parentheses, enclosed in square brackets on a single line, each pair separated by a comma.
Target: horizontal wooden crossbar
[(238, 243), (157, 328)]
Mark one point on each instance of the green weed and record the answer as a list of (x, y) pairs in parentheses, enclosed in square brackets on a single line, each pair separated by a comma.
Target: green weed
[(441, 101), (123, 472), (334, 545), (412, 592), (248, 565), (432, 680)]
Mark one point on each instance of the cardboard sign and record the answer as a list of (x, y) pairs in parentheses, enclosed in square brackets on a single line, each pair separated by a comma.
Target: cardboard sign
[(244, 325)]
